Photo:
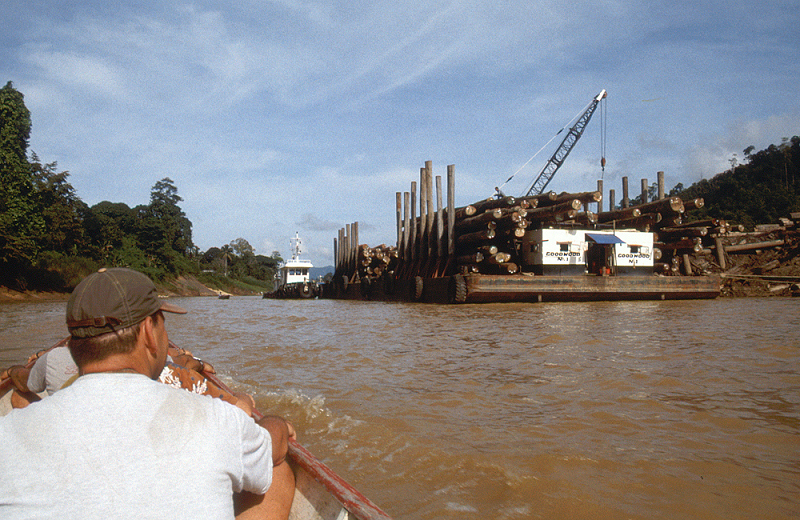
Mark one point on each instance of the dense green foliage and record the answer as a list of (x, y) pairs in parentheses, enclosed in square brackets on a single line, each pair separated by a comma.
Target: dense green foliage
[(761, 191), (21, 221), (50, 239), (764, 189)]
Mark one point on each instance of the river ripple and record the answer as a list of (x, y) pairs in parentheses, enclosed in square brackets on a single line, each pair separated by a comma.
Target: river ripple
[(550, 410)]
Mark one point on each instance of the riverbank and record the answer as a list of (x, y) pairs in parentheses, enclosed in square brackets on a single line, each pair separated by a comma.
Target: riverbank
[(182, 286), (769, 272), (772, 272)]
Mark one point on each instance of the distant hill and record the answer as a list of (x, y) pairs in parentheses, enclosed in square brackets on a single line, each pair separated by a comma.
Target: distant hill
[(317, 272), (764, 189)]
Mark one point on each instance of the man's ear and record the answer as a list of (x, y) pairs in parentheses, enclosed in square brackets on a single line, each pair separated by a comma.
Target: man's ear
[(148, 336)]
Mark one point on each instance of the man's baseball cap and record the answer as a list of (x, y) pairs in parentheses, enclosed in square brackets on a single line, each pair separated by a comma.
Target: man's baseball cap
[(113, 299)]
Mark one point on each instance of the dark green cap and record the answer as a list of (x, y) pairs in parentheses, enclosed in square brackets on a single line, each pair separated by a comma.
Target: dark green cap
[(113, 299)]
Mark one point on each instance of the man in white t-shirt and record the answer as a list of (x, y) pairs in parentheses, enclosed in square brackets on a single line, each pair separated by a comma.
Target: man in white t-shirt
[(118, 444)]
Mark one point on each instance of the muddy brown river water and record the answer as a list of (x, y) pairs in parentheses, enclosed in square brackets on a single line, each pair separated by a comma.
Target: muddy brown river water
[(640, 410)]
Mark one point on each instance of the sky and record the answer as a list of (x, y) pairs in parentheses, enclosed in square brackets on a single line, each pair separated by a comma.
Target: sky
[(284, 116)]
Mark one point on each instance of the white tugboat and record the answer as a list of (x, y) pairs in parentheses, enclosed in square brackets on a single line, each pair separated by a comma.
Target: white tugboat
[(293, 279)]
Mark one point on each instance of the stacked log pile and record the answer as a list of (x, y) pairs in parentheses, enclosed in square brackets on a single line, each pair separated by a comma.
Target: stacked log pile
[(489, 232), (705, 246), (485, 230), (375, 261)]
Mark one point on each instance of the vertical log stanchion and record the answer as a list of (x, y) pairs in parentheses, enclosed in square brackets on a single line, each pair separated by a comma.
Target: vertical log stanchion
[(687, 264), (399, 205), (413, 230), (343, 247), (720, 253), (661, 191), (626, 201), (600, 202), (611, 200), (644, 192), (346, 258), (430, 220), (404, 251), (335, 256), (440, 247), (451, 216), (423, 223), (354, 250)]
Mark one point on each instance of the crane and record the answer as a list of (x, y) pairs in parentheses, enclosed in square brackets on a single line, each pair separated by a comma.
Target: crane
[(566, 146)]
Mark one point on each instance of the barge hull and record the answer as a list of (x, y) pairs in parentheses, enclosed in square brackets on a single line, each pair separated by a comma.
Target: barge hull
[(481, 288)]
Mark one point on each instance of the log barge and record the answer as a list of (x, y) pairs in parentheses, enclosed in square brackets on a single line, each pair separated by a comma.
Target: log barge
[(546, 247)]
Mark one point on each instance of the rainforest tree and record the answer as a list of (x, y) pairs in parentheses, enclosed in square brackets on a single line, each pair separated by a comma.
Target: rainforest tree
[(21, 221)]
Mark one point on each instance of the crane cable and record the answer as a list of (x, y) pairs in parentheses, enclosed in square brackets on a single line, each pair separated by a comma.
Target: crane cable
[(498, 189), (603, 125)]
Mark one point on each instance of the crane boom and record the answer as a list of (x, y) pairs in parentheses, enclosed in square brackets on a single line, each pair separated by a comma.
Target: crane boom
[(554, 163)]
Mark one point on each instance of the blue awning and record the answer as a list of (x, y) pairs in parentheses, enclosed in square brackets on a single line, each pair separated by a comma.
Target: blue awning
[(604, 239)]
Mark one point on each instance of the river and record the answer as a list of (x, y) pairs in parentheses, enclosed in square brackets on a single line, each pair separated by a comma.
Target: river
[(610, 410)]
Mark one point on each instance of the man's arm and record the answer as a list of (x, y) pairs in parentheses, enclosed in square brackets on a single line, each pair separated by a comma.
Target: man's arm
[(281, 431), (19, 376)]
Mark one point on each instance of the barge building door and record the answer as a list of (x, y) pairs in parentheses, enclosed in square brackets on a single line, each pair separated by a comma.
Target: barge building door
[(601, 254)]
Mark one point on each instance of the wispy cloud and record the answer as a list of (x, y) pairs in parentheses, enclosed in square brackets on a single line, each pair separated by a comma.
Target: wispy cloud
[(283, 114)]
